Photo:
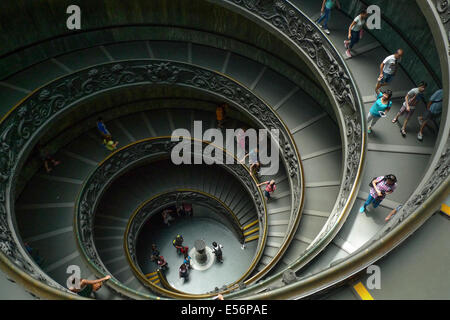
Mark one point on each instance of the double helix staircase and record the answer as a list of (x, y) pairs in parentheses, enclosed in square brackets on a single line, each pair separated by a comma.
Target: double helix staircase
[(44, 210)]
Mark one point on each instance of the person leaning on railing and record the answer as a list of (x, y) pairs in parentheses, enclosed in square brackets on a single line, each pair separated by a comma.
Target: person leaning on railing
[(270, 187), (87, 287)]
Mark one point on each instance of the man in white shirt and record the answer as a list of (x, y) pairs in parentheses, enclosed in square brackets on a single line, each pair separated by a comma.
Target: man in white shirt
[(388, 69)]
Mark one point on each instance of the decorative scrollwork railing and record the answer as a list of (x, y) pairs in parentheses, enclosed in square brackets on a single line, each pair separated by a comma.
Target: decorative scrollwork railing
[(301, 33), (160, 201), (26, 123), (123, 160), (433, 189)]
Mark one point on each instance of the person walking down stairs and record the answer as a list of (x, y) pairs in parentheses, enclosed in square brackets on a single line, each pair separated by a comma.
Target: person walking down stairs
[(388, 69), (432, 113), (270, 188), (379, 109), (325, 13), (355, 32), (101, 127), (379, 188), (409, 105)]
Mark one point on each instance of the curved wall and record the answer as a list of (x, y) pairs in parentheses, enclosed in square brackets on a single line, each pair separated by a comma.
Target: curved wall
[(421, 59)]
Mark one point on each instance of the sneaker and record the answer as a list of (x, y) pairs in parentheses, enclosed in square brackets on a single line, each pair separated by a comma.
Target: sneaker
[(419, 136), (326, 31), (243, 247), (362, 209), (346, 44), (348, 53)]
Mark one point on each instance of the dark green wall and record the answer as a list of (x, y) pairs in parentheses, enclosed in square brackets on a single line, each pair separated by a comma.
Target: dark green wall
[(411, 24), (34, 31)]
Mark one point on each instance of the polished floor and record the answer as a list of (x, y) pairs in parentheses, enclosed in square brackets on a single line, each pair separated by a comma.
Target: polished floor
[(236, 261)]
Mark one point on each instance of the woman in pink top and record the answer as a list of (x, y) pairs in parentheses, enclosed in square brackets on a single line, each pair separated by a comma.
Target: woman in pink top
[(270, 187), (379, 188)]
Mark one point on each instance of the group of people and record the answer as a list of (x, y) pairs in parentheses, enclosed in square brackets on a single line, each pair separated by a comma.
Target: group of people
[(255, 166), (183, 270), (388, 69), (183, 210), (383, 103), (185, 267)]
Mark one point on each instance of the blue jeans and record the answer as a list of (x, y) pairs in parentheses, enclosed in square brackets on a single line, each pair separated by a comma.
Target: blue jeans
[(375, 202), (354, 38), (326, 17), (386, 78)]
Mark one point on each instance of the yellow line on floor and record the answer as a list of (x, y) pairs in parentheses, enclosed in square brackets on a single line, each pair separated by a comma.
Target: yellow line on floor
[(445, 209), (153, 278), (252, 238), (251, 231), (250, 225), (362, 291), (150, 274)]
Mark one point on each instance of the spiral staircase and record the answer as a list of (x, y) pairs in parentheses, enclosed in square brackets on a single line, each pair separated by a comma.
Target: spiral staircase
[(162, 67)]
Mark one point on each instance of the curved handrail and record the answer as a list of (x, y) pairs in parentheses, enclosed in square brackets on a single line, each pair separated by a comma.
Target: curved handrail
[(122, 160), (431, 191), (300, 32), (24, 124), (153, 205)]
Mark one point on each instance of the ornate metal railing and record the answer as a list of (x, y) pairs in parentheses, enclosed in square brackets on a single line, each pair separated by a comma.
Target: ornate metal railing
[(160, 201), (431, 191), (303, 35), (122, 161), (25, 123)]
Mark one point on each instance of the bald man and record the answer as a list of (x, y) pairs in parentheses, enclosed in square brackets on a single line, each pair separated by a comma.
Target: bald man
[(388, 69)]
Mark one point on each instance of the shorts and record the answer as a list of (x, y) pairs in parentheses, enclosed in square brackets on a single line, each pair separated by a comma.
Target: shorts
[(408, 113), (428, 115), (386, 78), (267, 194)]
